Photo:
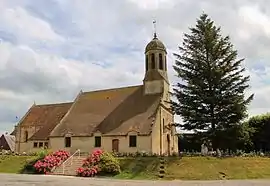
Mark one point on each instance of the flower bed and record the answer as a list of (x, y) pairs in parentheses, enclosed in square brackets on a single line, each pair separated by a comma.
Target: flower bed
[(90, 165), (99, 162), (45, 165)]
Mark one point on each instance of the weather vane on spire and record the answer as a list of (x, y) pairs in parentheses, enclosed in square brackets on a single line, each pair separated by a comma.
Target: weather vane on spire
[(155, 28)]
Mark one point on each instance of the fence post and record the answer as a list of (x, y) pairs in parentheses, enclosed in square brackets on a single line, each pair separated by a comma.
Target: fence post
[(161, 167)]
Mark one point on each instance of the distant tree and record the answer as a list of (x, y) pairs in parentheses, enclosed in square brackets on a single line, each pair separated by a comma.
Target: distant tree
[(209, 96), (259, 127)]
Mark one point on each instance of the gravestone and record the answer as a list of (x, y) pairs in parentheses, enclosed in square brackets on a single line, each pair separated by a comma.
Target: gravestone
[(204, 149), (218, 153)]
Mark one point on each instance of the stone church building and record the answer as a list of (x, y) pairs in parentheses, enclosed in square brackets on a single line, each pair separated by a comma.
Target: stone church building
[(127, 119)]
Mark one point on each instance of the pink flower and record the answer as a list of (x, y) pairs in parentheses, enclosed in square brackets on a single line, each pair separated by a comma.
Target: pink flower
[(90, 164), (50, 161)]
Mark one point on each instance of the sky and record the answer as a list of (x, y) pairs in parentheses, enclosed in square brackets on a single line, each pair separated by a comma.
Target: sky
[(52, 49)]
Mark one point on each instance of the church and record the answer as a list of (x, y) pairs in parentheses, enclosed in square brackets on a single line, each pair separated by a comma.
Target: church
[(126, 119)]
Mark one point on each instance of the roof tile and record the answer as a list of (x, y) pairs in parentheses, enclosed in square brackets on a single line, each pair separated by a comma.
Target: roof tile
[(46, 117), (111, 111)]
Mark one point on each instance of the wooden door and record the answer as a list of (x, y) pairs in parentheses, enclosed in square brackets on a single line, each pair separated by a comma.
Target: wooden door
[(115, 145)]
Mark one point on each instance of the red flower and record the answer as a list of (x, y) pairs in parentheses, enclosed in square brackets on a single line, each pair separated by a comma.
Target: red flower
[(90, 164), (55, 159)]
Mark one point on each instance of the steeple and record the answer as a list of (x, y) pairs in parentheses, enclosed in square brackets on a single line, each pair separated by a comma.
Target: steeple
[(156, 78)]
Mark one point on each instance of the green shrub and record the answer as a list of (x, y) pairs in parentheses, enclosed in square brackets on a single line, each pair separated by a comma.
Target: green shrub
[(28, 167), (43, 153), (108, 164)]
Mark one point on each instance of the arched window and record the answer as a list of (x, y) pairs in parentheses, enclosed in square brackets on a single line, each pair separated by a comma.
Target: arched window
[(153, 61), (160, 62), (165, 63), (163, 123), (26, 136), (146, 62)]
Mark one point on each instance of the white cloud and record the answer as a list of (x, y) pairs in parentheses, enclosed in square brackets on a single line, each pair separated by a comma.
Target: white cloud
[(154, 4), (99, 44), (19, 22), (27, 76), (256, 19)]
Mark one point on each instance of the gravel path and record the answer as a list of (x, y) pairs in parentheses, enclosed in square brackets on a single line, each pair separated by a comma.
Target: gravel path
[(41, 180)]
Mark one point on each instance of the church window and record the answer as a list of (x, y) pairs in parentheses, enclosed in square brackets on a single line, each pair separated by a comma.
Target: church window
[(153, 61), (67, 141), (146, 62), (26, 136), (165, 63), (160, 62), (163, 123), (97, 141), (35, 144), (132, 141)]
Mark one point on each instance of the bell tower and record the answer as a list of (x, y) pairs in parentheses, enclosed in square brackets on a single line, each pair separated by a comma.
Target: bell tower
[(156, 78)]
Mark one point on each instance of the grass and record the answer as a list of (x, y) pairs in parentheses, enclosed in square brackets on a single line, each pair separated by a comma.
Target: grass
[(197, 168), (139, 168), (13, 164), (210, 168), (187, 168)]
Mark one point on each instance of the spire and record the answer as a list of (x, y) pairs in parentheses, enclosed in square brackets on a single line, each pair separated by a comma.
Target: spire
[(155, 28)]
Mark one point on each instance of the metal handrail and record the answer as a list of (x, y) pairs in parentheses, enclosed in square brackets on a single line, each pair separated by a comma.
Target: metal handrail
[(70, 158)]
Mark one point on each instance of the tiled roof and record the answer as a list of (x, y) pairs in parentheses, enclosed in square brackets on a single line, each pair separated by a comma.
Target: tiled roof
[(155, 44), (13, 132), (111, 112), (10, 140), (46, 117)]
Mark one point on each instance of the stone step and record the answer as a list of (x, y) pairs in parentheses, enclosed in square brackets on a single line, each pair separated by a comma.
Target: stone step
[(70, 168)]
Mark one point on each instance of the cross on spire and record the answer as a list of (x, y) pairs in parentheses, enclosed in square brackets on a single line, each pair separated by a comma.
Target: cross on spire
[(155, 28)]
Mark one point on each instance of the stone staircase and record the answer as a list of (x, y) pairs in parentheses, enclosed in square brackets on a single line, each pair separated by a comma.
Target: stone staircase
[(69, 167)]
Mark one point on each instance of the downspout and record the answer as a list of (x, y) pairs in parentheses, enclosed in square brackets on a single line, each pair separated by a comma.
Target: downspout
[(173, 131), (161, 123), (161, 144), (151, 133)]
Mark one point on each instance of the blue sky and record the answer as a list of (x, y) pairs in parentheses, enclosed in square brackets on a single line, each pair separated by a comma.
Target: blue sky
[(51, 49)]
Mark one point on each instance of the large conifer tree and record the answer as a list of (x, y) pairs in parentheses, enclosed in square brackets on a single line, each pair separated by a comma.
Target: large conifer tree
[(210, 92)]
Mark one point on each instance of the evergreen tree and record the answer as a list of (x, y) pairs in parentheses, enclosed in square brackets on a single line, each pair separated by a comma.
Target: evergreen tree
[(210, 93)]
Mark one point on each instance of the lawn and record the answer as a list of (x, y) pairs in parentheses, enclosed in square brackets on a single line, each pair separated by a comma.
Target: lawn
[(197, 168), (203, 168), (139, 168), (186, 168), (13, 164)]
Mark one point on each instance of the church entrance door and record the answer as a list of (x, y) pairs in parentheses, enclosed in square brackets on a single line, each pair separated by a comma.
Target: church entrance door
[(115, 145)]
